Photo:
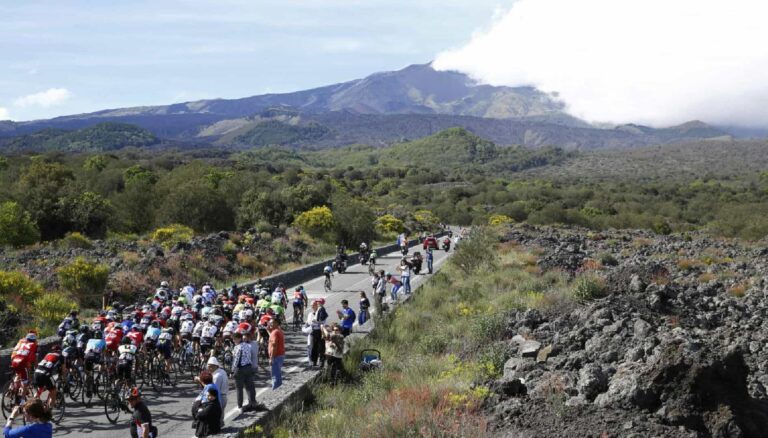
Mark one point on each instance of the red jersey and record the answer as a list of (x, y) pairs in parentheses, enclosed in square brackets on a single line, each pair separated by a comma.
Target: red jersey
[(113, 338), (244, 327), (136, 337), (24, 353)]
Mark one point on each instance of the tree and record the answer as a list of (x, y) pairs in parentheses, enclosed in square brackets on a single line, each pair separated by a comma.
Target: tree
[(315, 222), (500, 219), (87, 212), (40, 188), (197, 205), (389, 224), (353, 220), (96, 162), (257, 206), (425, 220), (16, 226)]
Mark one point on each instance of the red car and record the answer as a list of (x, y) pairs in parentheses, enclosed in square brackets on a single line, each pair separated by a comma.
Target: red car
[(430, 242)]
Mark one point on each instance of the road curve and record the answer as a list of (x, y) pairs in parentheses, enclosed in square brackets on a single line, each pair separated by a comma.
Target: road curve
[(171, 409)]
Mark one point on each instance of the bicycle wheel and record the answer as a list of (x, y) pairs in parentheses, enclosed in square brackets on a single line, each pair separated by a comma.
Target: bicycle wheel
[(88, 391), (74, 385), (8, 400), (112, 406), (61, 403), (327, 284)]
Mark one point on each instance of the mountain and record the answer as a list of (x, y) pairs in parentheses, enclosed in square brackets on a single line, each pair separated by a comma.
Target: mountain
[(380, 109), (102, 137)]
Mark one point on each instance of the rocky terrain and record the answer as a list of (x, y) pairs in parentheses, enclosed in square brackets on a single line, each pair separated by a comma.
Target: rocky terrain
[(672, 346)]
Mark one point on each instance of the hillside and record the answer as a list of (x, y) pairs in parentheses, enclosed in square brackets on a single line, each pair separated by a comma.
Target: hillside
[(689, 160), (105, 136)]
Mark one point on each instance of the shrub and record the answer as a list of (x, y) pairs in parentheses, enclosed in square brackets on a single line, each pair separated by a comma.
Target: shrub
[(389, 224), (50, 309), (738, 290), (85, 280), (475, 252), (425, 220), (76, 240), (172, 234), (18, 287), (315, 222), (16, 226), (229, 248), (588, 287), (607, 259), (499, 219)]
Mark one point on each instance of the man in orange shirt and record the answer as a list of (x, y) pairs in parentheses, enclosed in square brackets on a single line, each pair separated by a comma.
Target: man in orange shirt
[(276, 352)]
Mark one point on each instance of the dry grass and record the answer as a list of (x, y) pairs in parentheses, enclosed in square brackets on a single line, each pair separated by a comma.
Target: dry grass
[(689, 264), (738, 290), (707, 277)]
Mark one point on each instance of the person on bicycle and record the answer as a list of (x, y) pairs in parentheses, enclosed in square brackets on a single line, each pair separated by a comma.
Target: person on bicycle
[(126, 355), (278, 296), (164, 346), (81, 341), (93, 351), (187, 326), (207, 338), (69, 351), (46, 369), (23, 358), (136, 336), (299, 299), (69, 322), (153, 333), (113, 337)]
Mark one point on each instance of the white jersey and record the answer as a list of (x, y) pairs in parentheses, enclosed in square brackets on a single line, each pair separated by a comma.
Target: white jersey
[(187, 327), (126, 352), (209, 331), (230, 328), (277, 297), (198, 329)]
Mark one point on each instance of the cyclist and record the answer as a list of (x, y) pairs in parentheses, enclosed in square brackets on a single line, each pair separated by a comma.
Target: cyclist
[(197, 331), (81, 341), (207, 338), (93, 350), (153, 333), (328, 273), (165, 347), (100, 322), (69, 351), (136, 336), (126, 355), (299, 300), (69, 322), (45, 371), (187, 325), (23, 357), (113, 337)]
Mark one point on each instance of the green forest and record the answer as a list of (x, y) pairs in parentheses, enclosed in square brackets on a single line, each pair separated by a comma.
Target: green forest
[(454, 176)]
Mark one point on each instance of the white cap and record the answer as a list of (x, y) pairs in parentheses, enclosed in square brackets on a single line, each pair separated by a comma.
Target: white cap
[(214, 361)]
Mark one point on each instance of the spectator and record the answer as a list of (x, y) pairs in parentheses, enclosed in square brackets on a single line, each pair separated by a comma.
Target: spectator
[(205, 379), (334, 349), (141, 423), (396, 285), (220, 379), (37, 417), (365, 304), (381, 290), (243, 371), (405, 275), (276, 352), (208, 416), (430, 259), (347, 317)]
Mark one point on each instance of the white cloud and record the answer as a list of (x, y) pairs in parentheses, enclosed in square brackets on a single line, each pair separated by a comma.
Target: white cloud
[(658, 62), (4, 114), (340, 45), (45, 99)]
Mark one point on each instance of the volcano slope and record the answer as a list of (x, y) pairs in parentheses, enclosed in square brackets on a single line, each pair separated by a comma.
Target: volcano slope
[(667, 339)]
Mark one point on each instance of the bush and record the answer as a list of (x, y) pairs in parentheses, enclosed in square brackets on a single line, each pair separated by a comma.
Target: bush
[(425, 220), (389, 224), (499, 219), (475, 252), (85, 280), (19, 288), (172, 234), (16, 226), (50, 309), (607, 259), (315, 222), (76, 240), (588, 287)]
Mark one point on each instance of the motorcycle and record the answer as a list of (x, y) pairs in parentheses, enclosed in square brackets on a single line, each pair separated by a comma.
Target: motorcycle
[(340, 265), (416, 262), (364, 257), (447, 245)]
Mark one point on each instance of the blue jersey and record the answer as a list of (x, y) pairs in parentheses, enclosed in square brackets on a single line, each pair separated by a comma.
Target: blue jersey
[(96, 345), (127, 324), (153, 333)]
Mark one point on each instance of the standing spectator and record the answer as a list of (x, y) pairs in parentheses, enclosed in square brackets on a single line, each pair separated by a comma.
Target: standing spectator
[(364, 315), (405, 275), (141, 424), (208, 415), (322, 319), (396, 285), (334, 349), (276, 352), (381, 290), (430, 259), (220, 379), (347, 317), (243, 371), (37, 417), (205, 379), (314, 334)]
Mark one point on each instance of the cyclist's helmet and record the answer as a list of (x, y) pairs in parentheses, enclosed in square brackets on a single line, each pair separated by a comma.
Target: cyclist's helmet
[(97, 334), (163, 283), (135, 328), (168, 330), (56, 347), (155, 324), (31, 337), (73, 313), (83, 329), (126, 341), (186, 317)]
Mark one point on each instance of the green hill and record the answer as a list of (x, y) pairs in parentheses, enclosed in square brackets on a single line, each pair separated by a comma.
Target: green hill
[(106, 136)]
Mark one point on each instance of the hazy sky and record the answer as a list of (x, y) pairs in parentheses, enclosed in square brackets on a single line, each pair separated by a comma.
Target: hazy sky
[(69, 56), (657, 62)]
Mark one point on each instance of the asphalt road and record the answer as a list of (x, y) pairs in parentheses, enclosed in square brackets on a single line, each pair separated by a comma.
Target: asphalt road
[(171, 409)]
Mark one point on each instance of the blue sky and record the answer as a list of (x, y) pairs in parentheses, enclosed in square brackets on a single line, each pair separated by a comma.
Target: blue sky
[(64, 57)]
